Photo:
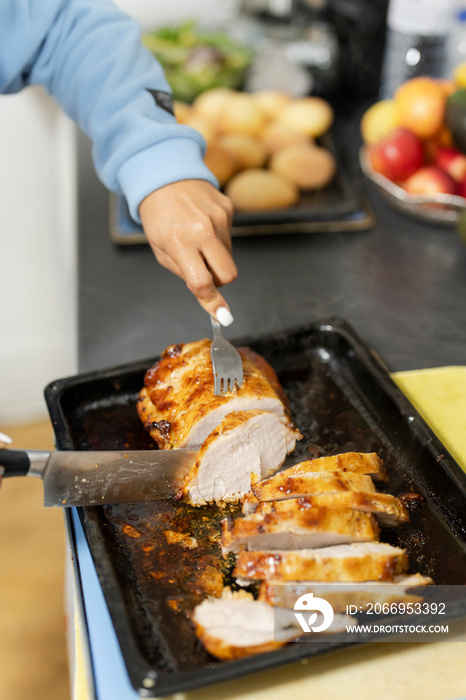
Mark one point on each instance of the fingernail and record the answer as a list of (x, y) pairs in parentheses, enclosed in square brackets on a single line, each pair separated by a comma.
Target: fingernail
[(224, 316), (5, 439)]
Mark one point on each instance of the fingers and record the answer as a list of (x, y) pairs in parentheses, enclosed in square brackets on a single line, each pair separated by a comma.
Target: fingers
[(219, 261), (188, 227), (201, 281), (166, 261)]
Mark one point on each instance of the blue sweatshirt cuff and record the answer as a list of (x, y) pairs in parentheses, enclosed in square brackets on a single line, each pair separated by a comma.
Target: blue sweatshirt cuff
[(162, 164)]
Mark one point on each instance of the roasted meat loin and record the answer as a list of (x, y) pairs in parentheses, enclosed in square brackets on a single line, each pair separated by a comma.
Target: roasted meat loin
[(314, 529), (403, 589), (356, 462), (388, 510), (235, 625), (246, 444), (282, 485), (241, 436), (298, 528), (360, 561)]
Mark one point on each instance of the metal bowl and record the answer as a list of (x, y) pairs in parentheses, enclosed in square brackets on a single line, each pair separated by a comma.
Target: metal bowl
[(444, 209)]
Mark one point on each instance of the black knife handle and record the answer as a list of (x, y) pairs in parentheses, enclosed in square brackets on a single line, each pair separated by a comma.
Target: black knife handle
[(14, 462)]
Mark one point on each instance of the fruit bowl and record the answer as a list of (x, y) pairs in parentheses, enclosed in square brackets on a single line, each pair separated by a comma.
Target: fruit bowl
[(444, 209)]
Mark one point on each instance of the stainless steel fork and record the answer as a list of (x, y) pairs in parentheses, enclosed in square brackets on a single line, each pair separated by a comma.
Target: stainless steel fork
[(226, 362)]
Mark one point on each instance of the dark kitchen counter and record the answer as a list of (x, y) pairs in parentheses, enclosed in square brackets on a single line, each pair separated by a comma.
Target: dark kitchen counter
[(401, 285)]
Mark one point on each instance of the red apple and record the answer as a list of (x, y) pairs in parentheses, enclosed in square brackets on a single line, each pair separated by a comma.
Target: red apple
[(452, 161), (398, 155), (430, 180), (462, 188)]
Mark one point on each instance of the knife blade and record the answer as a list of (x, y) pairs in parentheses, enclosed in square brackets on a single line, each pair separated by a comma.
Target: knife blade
[(91, 478)]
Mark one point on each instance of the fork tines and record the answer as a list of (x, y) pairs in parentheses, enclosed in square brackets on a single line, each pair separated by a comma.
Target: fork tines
[(226, 363)]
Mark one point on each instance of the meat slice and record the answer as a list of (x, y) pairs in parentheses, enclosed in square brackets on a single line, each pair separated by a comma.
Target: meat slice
[(358, 462), (177, 404), (403, 589), (247, 445), (236, 626), (365, 561), (298, 528), (283, 486), (389, 510)]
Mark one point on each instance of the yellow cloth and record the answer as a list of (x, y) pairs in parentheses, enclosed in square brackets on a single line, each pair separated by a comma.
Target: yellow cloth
[(389, 670), (440, 397)]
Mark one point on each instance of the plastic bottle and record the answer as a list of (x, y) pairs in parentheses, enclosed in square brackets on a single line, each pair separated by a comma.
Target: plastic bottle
[(416, 41)]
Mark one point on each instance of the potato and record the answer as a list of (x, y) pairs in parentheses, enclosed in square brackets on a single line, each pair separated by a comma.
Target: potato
[(248, 151), (312, 116), (209, 104), (259, 190), (310, 167), (220, 162), (200, 124), (240, 115), (182, 111), (276, 136), (270, 101)]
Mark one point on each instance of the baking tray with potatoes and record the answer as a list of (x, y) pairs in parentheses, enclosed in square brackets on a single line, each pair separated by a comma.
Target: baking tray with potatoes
[(274, 156)]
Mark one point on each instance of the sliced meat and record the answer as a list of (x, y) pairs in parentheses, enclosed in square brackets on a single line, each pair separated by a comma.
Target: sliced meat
[(389, 510), (365, 561), (339, 595), (235, 626), (247, 445), (358, 462), (283, 486), (177, 404), (250, 502), (298, 528)]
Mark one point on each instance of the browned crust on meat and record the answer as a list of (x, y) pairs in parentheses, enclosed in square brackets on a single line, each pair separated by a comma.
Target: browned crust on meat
[(343, 521), (286, 595), (355, 462), (225, 649), (179, 390), (227, 652), (283, 486), (382, 503), (292, 566), (267, 370), (249, 502)]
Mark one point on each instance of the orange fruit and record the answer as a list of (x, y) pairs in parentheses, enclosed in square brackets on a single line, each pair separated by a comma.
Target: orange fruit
[(444, 137), (420, 104), (448, 86), (378, 121)]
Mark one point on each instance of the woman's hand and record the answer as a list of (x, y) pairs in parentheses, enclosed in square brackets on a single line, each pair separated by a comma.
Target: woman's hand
[(187, 224)]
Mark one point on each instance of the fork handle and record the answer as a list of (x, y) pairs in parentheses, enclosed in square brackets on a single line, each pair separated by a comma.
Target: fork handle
[(216, 327)]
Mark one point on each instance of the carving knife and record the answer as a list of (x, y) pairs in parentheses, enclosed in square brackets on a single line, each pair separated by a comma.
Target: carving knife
[(91, 478)]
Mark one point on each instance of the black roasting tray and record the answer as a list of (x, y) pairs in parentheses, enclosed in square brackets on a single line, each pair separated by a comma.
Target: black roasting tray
[(342, 399)]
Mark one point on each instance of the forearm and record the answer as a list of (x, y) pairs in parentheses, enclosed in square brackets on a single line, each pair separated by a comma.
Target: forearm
[(95, 66)]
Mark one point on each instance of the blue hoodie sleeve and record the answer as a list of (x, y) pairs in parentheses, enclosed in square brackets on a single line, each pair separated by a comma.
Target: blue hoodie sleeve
[(88, 55)]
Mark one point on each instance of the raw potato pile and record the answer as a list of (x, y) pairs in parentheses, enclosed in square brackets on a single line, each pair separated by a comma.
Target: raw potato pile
[(261, 146)]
